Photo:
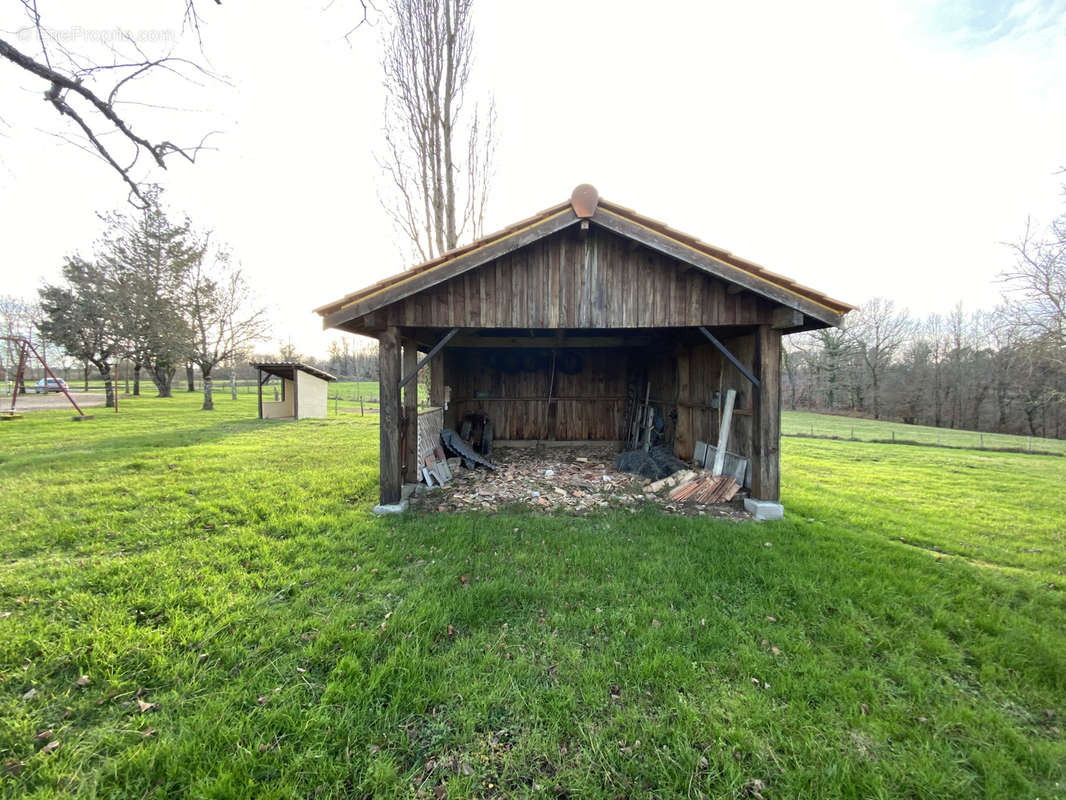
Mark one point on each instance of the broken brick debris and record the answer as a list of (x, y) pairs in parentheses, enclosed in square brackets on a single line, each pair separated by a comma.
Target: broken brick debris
[(579, 481)]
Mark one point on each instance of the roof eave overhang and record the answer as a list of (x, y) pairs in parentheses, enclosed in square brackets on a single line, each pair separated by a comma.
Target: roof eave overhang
[(347, 313), (419, 282), (716, 267)]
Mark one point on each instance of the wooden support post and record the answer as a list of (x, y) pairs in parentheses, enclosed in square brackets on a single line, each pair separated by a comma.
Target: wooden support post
[(259, 380), (389, 414), (684, 441), (766, 417), (410, 405), (295, 393), (450, 371), (436, 380)]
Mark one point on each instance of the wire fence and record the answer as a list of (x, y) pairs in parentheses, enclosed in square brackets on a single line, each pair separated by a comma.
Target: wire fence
[(823, 426)]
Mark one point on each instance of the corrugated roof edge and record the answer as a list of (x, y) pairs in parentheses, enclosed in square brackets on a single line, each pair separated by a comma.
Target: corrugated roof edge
[(655, 225)]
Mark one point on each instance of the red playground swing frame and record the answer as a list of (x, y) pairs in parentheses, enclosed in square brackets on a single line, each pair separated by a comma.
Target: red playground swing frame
[(25, 348)]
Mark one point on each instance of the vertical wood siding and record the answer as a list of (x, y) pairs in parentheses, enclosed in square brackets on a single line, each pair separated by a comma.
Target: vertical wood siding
[(562, 281)]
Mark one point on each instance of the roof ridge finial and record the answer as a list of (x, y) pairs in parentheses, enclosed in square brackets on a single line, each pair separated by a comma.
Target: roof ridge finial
[(584, 199)]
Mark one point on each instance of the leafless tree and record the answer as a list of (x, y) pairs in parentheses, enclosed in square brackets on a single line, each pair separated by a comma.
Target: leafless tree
[(92, 96), (1036, 287), (878, 332), (224, 317), (438, 149)]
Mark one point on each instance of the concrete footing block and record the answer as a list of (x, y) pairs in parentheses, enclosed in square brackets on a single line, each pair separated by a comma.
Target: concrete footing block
[(392, 508), (763, 509)]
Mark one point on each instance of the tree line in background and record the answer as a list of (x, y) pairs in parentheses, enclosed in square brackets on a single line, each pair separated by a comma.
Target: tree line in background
[(157, 293), (1001, 370)]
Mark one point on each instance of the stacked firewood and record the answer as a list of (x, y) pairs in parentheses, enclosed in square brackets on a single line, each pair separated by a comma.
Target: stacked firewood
[(706, 490)]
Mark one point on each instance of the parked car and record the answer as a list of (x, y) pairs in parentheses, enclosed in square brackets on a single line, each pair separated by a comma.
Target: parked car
[(44, 385)]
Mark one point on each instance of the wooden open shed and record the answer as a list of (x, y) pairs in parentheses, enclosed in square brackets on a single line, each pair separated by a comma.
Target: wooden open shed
[(549, 326), (304, 390)]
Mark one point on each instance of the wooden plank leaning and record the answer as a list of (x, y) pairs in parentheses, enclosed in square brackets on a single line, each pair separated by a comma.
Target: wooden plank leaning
[(723, 432)]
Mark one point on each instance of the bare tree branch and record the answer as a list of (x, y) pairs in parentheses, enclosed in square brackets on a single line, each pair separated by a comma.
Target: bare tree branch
[(437, 157), (94, 111)]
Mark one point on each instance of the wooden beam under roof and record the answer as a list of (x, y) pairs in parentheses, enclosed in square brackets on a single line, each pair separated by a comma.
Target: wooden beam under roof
[(571, 342)]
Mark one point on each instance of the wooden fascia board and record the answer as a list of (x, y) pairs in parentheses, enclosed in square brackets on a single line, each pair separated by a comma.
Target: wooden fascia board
[(547, 343), (713, 266), (421, 281)]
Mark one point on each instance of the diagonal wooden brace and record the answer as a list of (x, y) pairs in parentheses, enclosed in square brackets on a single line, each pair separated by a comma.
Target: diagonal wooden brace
[(436, 349), (732, 358)]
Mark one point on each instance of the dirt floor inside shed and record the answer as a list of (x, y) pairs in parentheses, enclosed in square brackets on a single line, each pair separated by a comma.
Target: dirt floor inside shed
[(574, 479)]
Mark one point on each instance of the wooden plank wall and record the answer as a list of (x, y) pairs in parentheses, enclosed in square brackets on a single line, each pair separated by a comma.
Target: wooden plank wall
[(709, 372), (589, 405), (563, 281)]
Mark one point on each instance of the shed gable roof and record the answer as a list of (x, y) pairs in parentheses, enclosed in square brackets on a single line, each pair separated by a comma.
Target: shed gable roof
[(586, 205)]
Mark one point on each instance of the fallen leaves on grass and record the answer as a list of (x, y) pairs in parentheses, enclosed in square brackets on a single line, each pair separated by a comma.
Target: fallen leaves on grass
[(29, 695), (83, 681), (754, 788), (143, 706), (14, 766), (51, 746), (44, 735)]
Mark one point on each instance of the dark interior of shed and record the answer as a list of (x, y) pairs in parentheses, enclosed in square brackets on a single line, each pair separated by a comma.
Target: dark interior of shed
[(587, 386)]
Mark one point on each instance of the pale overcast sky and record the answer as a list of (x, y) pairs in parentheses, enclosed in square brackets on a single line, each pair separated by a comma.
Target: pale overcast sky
[(864, 149)]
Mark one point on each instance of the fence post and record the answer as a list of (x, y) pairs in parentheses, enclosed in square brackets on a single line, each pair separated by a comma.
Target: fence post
[(982, 441), (893, 436), (361, 405), (853, 433)]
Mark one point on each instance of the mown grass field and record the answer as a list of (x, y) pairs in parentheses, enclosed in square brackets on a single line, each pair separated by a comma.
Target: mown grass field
[(201, 605), (804, 423)]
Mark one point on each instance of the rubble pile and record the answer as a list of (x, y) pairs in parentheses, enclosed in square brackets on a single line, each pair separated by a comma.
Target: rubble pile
[(571, 480)]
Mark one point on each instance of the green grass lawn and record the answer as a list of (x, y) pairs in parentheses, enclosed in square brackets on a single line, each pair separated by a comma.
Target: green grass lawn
[(804, 423), (201, 605)]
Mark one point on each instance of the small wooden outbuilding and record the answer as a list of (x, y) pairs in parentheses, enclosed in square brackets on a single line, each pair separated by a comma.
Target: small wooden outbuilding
[(550, 326), (304, 390)]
